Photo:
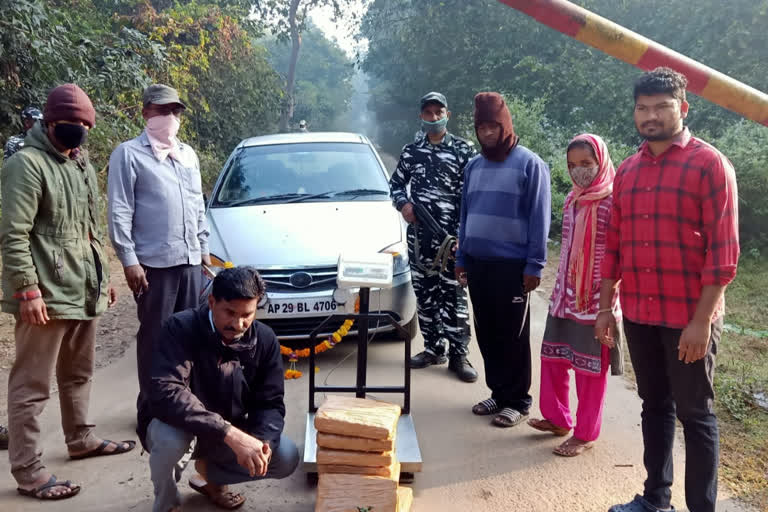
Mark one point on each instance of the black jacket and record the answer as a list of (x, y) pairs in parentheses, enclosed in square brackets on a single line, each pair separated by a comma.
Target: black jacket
[(198, 383)]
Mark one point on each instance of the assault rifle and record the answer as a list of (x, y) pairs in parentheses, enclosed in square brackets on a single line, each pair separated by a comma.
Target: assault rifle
[(425, 220)]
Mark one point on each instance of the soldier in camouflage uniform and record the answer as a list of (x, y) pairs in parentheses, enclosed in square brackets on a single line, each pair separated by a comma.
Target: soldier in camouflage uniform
[(28, 118), (433, 166)]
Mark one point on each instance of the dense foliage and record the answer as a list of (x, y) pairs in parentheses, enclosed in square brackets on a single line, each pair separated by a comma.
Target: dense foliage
[(210, 50), (323, 79), (559, 87)]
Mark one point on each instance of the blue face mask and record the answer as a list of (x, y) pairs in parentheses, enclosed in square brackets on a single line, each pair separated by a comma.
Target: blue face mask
[(434, 127)]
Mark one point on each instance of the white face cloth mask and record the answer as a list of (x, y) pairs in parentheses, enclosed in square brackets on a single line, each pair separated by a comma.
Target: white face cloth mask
[(162, 131)]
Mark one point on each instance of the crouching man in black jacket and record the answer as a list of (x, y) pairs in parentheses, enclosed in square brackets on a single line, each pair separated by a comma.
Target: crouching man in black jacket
[(217, 375)]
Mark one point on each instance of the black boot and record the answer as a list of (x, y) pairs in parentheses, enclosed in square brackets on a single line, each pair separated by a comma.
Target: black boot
[(462, 368), (424, 359)]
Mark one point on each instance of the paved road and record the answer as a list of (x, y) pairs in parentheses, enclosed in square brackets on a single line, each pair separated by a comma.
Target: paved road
[(469, 465)]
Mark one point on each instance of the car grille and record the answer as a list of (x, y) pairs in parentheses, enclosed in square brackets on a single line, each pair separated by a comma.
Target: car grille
[(279, 280), (301, 327)]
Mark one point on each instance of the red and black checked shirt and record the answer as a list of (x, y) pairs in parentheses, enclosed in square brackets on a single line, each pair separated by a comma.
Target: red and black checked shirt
[(673, 230)]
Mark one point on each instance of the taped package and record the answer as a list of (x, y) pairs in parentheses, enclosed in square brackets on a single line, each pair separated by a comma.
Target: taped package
[(347, 458), (357, 417), (392, 471), (357, 444), (349, 493)]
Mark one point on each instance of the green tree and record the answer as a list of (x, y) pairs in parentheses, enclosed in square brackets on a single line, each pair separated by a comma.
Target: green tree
[(289, 21), (745, 143), (461, 48), (464, 47), (323, 78), (44, 44), (230, 88), (115, 48)]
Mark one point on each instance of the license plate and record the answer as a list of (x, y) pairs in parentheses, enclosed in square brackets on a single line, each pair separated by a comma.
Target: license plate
[(312, 306)]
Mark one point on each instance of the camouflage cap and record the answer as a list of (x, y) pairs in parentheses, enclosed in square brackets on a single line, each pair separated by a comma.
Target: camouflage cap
[(31, 113), (433, 97), (159, 94)]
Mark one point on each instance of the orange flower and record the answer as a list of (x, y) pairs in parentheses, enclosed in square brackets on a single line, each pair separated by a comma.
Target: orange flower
[(321, 347)]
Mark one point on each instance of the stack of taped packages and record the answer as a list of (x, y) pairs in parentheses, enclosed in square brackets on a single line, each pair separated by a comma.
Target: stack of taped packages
[(356, 460)]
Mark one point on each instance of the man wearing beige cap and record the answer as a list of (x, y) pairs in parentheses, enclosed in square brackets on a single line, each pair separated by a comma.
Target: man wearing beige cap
[(55, 282), (156, 217)]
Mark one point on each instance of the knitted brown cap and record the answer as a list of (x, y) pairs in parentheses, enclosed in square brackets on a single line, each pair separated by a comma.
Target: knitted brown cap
[(68, 102), (491, 107)]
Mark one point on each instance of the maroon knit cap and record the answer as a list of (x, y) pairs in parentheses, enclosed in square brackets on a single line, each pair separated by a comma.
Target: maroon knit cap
[(68, 102), (491, 107)]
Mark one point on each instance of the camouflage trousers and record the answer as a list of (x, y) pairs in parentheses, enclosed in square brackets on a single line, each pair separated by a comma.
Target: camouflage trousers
[(441, 304)]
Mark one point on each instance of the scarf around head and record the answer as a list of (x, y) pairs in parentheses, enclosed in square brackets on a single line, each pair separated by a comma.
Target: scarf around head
[(585, 202), (491, 107)]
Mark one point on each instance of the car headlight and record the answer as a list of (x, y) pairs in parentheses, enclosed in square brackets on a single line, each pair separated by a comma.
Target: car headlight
[(342, 295), (400, 262)]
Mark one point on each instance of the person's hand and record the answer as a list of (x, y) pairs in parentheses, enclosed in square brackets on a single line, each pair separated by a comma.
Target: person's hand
[(407, 212), (34, 311), (605, 328), (251, 453), (461, 275), (267, 451), (111, 296), (530, 283), (694, 341), (206, 259), (137, 280)]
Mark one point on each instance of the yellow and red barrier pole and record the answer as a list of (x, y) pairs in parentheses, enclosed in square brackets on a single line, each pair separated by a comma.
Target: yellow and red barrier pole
[(632, 48)]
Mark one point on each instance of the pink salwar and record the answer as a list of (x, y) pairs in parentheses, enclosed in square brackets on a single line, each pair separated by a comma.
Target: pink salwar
[(590, 390)]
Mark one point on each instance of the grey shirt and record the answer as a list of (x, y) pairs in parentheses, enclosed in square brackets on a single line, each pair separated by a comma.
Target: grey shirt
[(156, 212)]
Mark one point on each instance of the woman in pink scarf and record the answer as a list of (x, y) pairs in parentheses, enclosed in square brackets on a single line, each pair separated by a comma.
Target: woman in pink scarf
[(569, 341)]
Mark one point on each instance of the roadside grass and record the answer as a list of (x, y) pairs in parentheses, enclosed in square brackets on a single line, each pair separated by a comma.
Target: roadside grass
[(747, 296), (741, 374)]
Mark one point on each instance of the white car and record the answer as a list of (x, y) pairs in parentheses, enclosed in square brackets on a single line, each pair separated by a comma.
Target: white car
[(288, 205)]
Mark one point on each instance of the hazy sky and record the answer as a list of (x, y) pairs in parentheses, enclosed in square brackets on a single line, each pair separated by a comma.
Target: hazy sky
[(343, 33)]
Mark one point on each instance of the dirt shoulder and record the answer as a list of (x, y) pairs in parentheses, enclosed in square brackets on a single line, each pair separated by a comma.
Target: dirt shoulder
[(117, 330)]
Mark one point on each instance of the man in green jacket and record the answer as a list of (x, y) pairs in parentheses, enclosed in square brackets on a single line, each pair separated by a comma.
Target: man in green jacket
[(55, 282)]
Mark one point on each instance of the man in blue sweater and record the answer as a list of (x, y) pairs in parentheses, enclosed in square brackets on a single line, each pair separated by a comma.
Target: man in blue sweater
[(505, 217)]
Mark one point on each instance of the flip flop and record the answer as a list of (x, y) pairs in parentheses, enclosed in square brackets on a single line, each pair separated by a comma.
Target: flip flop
[(226, 500), (99, 452), (485, 407), (548, 426), (40, 494), (508, 417), (578, 449)]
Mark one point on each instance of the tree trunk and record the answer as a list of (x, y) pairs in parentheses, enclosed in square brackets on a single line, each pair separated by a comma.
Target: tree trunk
[(288, 104)]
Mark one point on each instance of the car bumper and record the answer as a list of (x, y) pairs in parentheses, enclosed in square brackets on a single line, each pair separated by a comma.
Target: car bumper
[(399, 301)]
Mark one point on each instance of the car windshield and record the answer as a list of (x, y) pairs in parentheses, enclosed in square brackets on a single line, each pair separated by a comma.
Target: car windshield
[(303, 172)]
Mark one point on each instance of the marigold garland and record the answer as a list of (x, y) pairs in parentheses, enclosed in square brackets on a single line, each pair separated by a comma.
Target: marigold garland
[(327, 344), (294, 355)]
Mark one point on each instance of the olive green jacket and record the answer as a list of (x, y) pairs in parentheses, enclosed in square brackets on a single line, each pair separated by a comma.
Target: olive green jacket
[(49, 231)]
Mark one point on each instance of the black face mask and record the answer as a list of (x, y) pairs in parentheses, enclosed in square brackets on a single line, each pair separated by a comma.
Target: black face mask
[(70, 136)]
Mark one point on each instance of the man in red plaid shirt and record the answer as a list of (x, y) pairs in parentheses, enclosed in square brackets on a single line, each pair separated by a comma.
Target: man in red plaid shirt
[(673, 247)]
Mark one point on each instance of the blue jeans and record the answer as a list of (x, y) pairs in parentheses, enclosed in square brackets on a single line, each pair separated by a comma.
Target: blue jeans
[(167, 445), (670, 388)]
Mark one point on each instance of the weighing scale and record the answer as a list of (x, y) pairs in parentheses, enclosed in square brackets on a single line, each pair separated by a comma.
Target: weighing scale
[(364, 271)]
